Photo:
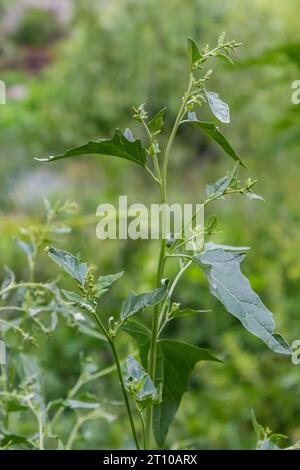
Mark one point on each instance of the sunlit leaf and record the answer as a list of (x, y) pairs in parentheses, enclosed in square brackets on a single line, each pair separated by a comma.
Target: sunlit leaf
[(69, 263)]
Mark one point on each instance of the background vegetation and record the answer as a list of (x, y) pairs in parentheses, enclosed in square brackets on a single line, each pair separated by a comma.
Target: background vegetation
[(73, 71)]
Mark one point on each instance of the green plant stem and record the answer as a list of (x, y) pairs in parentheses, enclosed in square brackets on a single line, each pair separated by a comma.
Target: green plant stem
[(161, 262), (120, 376), (163, 321)]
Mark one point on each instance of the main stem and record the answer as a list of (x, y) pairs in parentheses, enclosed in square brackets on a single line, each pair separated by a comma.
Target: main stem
[(161, 261)]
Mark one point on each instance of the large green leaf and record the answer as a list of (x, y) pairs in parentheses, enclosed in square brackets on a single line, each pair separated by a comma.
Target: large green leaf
[(175, 363), (232, 288), (136, 303), (117, 146), (69, 263), (213, 132)]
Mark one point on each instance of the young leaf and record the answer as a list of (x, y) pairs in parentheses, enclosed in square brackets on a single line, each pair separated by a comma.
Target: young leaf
[(194, 52), (218, 107), (79, 301), (136, 303), (218, 189), (117, 146), (157, 122), (69, 263), (176, 361), (142, 335), (212, 131), (232, 288), (140, 385)]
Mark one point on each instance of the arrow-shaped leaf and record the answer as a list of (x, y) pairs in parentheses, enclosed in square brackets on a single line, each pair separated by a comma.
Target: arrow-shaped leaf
[(232, 288), (117, 146), (136, 303), (176, 361)]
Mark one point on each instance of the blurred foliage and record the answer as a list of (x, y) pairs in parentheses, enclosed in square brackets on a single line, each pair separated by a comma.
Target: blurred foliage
[(116, 54)]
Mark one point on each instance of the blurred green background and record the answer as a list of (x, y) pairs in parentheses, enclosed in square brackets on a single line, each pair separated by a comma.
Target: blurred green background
[(73, 70)]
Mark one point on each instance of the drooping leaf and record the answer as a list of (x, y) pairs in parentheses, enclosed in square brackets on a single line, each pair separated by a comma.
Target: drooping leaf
[(69, 263), (156, 124), (14, 439), (142, 335), (218, 107), (218, 189), (175, 364), (104, 282), (194, 52), (212, 131), (232, 288), (140, 385), (136, 303), (118, 146), (28, 248)]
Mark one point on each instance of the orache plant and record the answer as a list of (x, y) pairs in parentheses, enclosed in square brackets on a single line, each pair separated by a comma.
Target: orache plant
[(156, 379)]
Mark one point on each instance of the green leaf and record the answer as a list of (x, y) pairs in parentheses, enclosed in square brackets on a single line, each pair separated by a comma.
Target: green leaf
[(218, 189), (136, 303), (14, 404), (213, 132), (104, 282), (14, 439), (79, 301), (232, 288), (157, 122), (142, 335), (140, 385), (117, 146), (218, 107), (194, 52), (69, 263), (176, 361)]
